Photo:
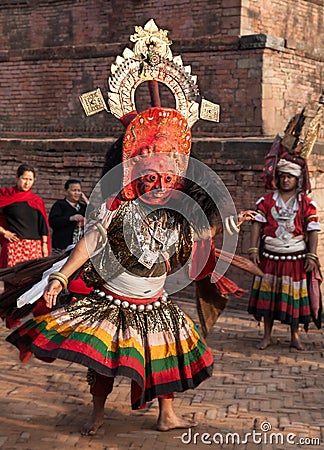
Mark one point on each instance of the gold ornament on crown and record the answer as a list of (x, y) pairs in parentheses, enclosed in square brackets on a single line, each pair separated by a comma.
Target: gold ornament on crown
[(93, 102), (150, 38)]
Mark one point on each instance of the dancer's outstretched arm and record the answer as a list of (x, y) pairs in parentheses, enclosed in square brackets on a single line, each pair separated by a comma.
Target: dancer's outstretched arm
[(80, 254), (208, 233)]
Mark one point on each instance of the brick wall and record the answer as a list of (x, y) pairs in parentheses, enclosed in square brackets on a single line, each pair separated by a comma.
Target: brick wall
[(40, 89), (41, 23), (82, 22), (52, 51), (298, 22), (55, 161), (283, 77)]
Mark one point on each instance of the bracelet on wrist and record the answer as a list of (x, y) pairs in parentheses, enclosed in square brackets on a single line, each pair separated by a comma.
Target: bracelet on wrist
[(233, 224), (230, 225), (102, 231), (227, 227), (63, 279), (252, 250), (312, 256)]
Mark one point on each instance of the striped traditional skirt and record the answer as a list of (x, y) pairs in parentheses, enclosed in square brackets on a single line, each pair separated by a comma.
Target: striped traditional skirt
[(157, 346), (282, 292)]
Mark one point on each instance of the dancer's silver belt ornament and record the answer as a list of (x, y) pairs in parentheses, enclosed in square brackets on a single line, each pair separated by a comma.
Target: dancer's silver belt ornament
[(284, 257), (116, 302)]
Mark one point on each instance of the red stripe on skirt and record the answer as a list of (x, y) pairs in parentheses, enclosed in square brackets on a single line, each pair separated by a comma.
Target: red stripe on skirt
[(87, 350), (174, 374), (292, 269)]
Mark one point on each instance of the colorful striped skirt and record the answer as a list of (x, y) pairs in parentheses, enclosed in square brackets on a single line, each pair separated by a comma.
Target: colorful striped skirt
[(159, 349), (282, 292)]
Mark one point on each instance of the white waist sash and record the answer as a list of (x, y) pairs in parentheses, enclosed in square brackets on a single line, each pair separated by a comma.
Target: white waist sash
[(276, 245), (128, 285)]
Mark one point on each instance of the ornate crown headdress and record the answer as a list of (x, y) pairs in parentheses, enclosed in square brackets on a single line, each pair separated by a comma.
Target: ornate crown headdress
[(291, 140), (150, 60)]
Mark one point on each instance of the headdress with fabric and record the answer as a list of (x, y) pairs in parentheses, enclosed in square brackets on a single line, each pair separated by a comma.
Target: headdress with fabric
[(158, 129), (289, 153)]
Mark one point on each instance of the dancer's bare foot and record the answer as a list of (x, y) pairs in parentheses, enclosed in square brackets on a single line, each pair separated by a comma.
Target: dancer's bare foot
[(295, 340), (172, 423), (96, 419), (295, 343), (168, 420), (91, 427), (264, 344)]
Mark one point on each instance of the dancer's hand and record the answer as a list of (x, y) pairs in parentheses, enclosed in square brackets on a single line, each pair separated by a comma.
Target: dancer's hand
[(246, 216), (51, 292), (310, 265), (255, 258)]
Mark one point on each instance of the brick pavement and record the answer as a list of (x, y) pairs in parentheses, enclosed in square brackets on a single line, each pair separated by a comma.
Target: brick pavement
[(43, 406)]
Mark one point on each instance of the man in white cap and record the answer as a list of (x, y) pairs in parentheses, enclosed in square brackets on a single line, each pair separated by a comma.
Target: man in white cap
[(287, 227)]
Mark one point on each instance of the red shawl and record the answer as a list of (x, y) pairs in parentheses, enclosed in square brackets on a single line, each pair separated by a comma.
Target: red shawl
[(12, 195), (211, 296), (203, 264)]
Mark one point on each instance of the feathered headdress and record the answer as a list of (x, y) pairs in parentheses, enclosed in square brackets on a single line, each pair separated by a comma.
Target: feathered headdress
[(289, 153)]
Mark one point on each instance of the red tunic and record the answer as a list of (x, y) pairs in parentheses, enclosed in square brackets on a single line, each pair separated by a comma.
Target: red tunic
[(306, 214)]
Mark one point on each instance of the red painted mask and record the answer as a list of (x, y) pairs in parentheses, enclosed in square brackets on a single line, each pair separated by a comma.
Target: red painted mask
[(155, 178), (155, 155)]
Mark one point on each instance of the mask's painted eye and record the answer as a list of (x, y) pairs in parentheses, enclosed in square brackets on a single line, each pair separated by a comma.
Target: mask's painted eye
[(168, 178), (152, 178)]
